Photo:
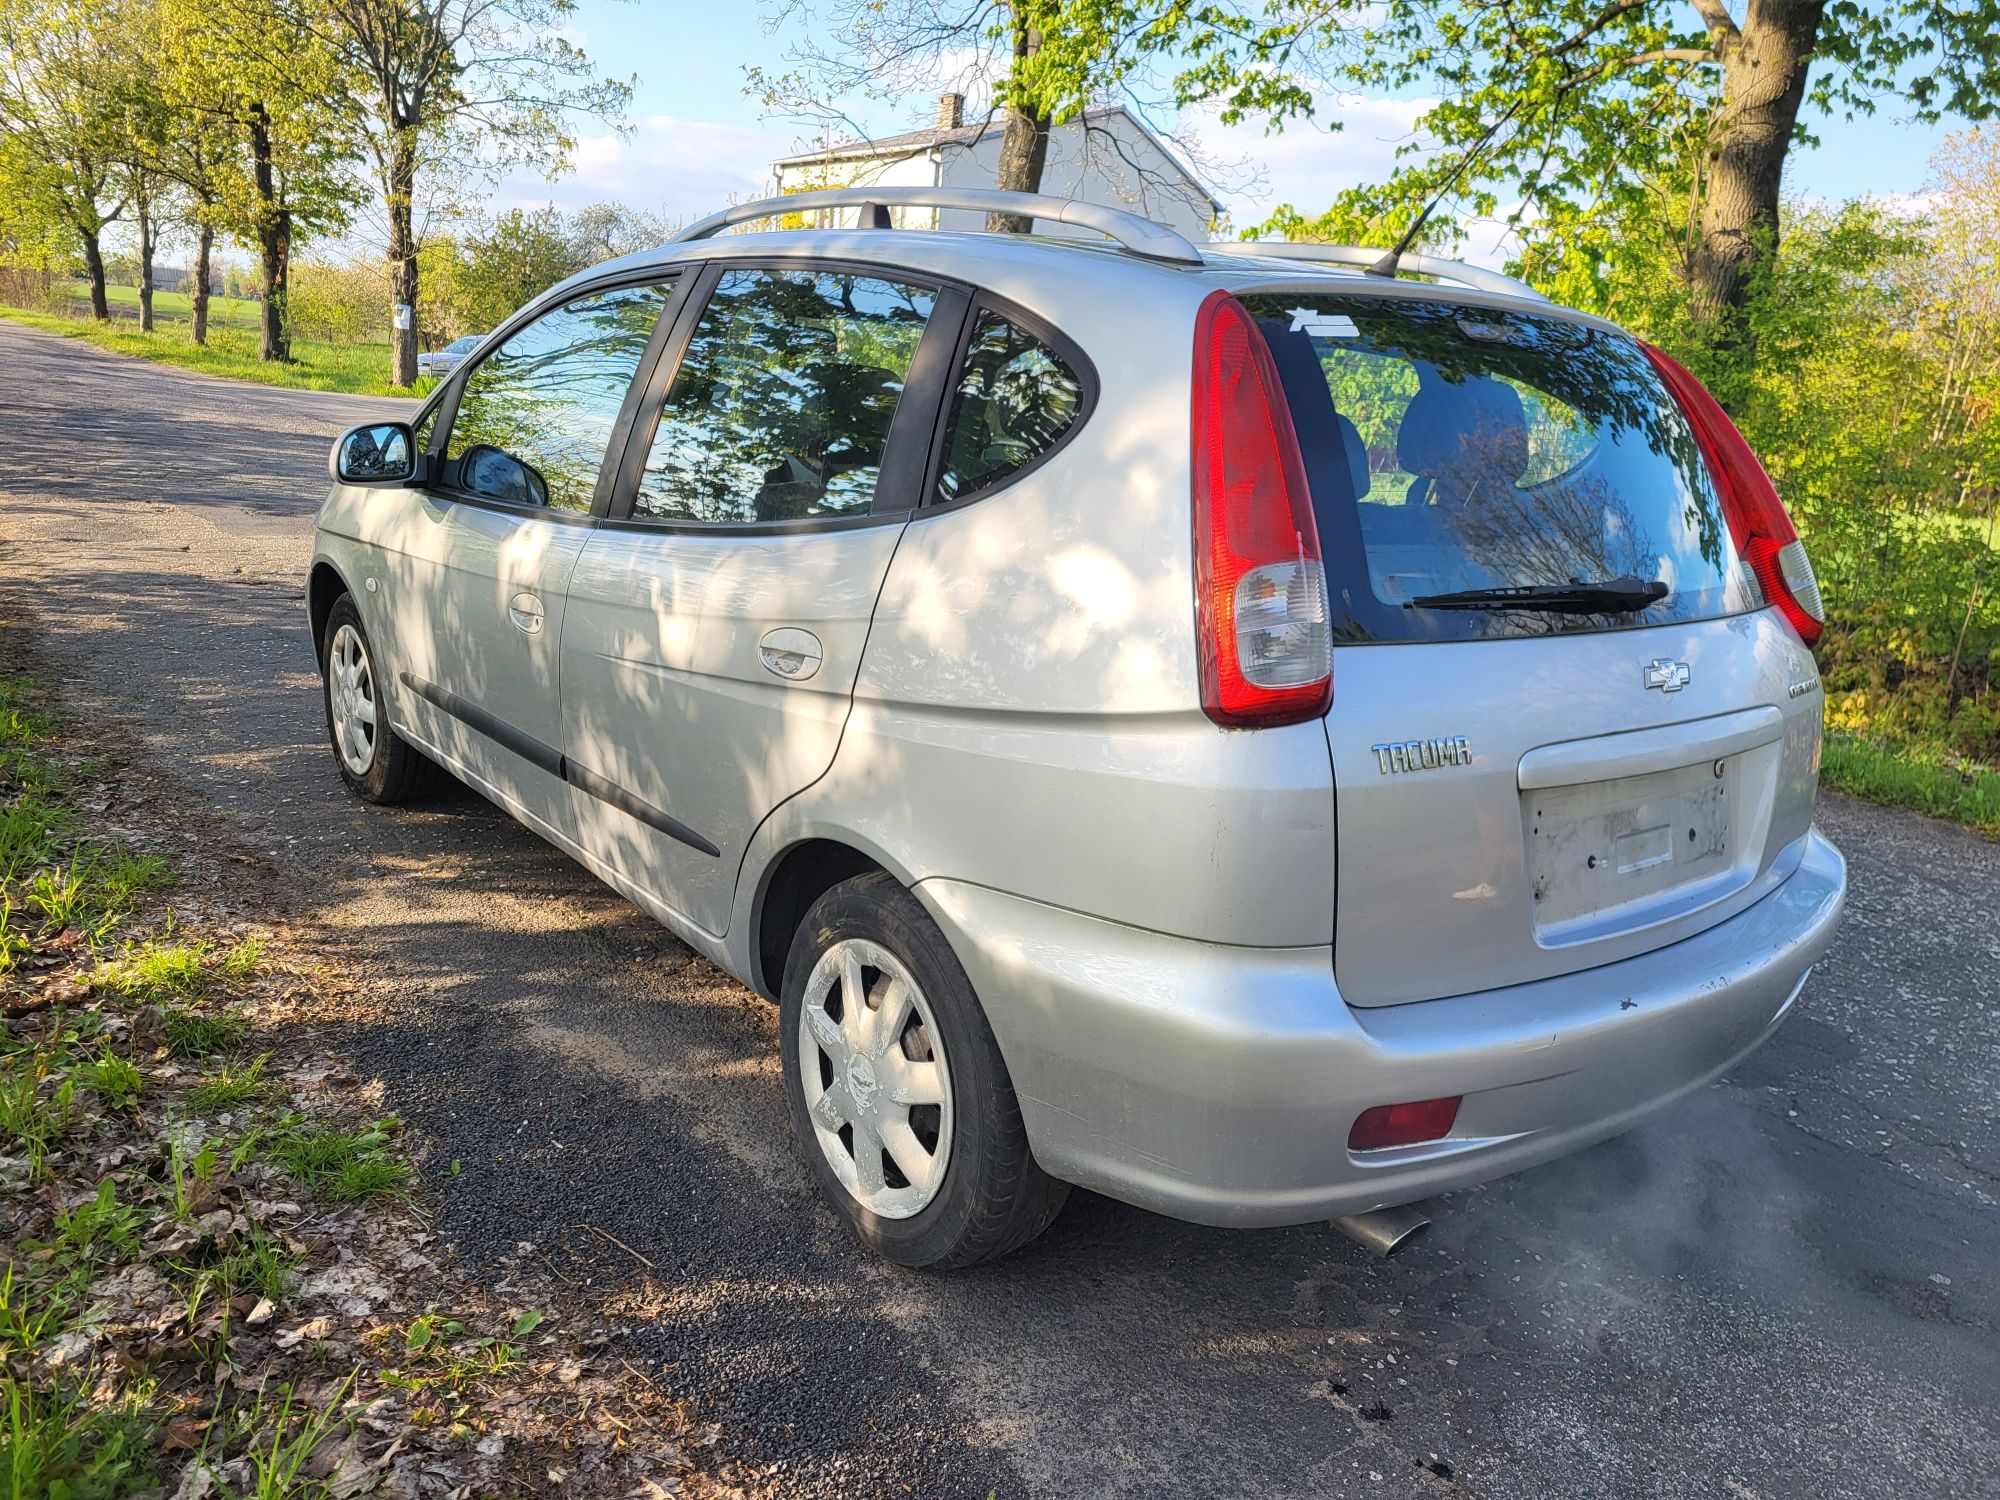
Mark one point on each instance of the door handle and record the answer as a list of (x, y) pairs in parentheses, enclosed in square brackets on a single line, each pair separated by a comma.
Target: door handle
[(790, 653), (525, 610)]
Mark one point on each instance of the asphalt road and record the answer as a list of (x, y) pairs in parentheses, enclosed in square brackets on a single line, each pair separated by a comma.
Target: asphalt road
[(1787, 1286)]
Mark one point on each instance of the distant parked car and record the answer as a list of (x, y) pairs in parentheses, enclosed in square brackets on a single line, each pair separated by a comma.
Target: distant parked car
[(441, 362), (1261, 740)]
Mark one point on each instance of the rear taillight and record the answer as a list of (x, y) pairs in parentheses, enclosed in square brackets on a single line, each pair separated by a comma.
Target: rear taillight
[(1764, 535), (1260, 592)]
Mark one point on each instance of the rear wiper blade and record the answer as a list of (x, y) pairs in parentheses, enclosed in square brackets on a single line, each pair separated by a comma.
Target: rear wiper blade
[(1613, 596)]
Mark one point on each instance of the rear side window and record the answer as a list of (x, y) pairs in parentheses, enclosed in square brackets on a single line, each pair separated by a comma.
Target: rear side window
[(1453, 449), (782, 405), (1016, 399), (536, 414)]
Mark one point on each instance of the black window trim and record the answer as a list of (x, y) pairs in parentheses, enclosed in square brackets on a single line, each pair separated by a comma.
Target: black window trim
[(1059, 343), (676, 276), (937, 356)]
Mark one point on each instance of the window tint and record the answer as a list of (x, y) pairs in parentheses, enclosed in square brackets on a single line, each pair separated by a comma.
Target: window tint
[(1015, 400), (782, 405), (545, 400), (1451, 450)]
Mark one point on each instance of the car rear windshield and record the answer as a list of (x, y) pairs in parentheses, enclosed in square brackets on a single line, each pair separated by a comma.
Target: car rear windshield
[(1452, 451)]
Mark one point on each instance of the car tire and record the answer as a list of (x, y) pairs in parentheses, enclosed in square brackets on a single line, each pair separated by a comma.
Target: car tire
[(377, 764), (980, 1196)]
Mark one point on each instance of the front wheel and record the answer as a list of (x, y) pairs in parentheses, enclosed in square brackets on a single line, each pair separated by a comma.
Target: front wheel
[(375, 763), (898, 1093)]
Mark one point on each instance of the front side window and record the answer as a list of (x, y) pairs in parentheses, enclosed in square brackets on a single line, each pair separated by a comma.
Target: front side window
[(782, 405), (536, 414), (1456, 454), (1016, 399)]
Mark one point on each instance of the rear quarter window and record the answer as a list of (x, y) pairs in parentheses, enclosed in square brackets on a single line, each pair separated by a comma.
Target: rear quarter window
[(1451, 449), (1016, 399)]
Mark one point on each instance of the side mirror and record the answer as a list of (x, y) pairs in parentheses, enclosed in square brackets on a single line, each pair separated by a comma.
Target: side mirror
[(498, 475), (379, 453)]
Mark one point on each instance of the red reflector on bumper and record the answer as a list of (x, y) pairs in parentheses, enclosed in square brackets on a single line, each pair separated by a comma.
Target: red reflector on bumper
[(1403, 1124)]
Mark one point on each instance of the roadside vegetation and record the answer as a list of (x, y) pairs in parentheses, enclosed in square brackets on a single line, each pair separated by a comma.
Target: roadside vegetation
[(231, 350), (219, 1280)]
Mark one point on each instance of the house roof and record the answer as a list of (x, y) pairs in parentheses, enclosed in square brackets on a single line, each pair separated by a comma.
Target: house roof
[(915, 142)]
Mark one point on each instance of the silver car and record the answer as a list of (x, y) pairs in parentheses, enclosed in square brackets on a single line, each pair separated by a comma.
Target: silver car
[(1262, 740), (443, 361)]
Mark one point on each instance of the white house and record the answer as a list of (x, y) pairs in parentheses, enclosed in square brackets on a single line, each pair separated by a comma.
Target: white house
[(1107, 156)]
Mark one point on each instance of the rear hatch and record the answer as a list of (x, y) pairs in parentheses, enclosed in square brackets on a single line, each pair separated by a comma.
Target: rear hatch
[(1564, 730)]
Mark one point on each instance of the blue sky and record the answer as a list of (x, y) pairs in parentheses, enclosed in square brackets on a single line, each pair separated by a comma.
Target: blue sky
[(697, 138)]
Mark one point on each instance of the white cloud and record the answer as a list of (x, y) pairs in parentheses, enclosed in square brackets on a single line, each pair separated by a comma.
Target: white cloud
[(1308, 163), (683, 168)]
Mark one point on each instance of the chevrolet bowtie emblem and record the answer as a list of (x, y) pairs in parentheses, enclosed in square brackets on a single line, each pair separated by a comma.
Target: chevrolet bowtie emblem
[(1668, 675)]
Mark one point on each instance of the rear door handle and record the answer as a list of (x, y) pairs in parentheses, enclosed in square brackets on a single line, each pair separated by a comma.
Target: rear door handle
[(790, 653), (525, 610)]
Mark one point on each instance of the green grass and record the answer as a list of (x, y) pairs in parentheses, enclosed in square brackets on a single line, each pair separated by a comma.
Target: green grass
[(164, 972), (43, 894), (355, 369), (29, 1315), (239, 312), (231, 1087), (192, 1034), (34, 1120), (113, 1079), (99, 1226), (59, 1442), (1906, 776), (156, 973), (342, 1166), (98, 886)]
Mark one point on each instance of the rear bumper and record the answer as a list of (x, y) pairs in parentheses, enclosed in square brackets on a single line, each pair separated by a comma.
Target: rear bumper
[(1218, 1084)]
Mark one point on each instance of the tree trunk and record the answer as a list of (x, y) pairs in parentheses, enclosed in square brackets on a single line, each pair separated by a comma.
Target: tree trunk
[(93, 266), (198, 293), (401, 185), (146, 249), (274, 243), (1763, 80), (1024, 144)]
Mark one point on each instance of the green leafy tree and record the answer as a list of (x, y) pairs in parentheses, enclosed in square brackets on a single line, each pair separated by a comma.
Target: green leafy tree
[(520, 257), (1580, 113), (198, 148), (266, 96), (437, 87), (61, 117)]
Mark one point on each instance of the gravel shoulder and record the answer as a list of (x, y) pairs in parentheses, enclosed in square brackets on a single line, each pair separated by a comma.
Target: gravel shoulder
[(1787, 1286)]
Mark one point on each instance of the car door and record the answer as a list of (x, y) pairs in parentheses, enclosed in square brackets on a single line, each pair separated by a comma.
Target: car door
[(717, 619), (518, 459)]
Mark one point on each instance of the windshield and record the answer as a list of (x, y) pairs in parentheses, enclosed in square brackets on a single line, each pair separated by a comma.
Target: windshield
[(1458, 451), (463, 346)]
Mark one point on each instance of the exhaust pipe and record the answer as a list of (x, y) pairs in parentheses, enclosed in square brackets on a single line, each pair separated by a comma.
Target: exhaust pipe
[(1383, 1231)]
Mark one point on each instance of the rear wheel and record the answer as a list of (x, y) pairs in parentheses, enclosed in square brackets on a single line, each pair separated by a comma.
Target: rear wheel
[(898, 1093), (376, 764)]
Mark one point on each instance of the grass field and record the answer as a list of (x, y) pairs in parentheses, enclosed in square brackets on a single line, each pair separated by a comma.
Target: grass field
[(1904, 776), (229, 312), (356, 369)]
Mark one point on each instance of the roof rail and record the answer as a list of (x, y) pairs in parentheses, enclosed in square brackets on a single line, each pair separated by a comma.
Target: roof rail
[(1475, 277), (1139, 235)]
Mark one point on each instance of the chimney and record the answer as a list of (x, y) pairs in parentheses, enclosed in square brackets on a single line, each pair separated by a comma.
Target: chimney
[(951, 111)]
